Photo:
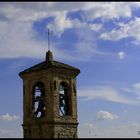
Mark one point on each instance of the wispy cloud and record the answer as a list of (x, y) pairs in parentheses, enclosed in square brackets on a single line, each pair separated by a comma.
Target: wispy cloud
[(124, 130), (11, 132), (133, 89), (108, 93), (90, 125), (105, 115), (8, 117)]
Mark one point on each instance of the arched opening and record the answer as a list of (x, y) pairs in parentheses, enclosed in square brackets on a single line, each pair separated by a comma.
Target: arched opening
[(64, 99), (39, 100)]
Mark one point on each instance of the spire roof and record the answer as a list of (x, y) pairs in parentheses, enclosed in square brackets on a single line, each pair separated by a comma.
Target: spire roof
[(49, 63)]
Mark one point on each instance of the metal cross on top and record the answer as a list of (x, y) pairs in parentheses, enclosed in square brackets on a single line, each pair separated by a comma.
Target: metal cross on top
[(48, 39)]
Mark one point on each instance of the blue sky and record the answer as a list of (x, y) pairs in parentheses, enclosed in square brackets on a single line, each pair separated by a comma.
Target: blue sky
[(100, 38)]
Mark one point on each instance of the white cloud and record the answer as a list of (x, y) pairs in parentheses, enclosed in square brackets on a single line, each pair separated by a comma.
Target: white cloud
[(32, 11), (108, 10), (60, 24), (18, 41), (121, 54), (89, 125), (105, 115), (24, 11), (8, 117), (16, 20), (35, 10), (17, 36), (130, 29), (107, 93), (95, 27)]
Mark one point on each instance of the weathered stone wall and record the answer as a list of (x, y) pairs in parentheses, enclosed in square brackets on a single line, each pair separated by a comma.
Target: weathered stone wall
[(65, 131), (52, 125)]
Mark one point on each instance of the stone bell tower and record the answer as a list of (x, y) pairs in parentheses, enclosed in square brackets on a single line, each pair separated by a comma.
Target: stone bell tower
[(50, 100)]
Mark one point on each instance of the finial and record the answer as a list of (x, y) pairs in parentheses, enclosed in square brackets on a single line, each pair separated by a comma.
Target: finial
[(48, 39), (49, 56)]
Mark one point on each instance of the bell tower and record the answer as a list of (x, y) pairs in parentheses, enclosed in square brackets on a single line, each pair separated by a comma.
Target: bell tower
[(50, 100)]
